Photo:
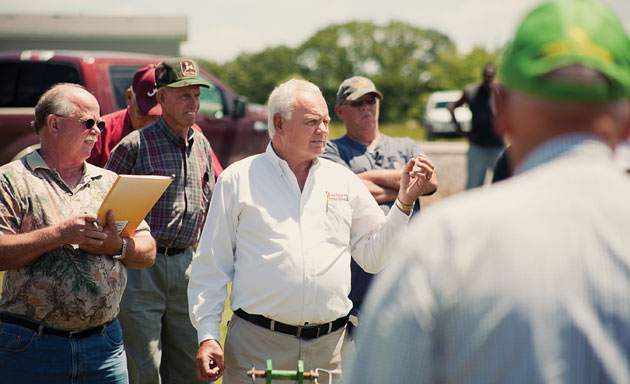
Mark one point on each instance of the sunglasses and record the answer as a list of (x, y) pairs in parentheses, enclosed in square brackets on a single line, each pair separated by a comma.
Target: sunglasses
[(359, 102), (89, 123)]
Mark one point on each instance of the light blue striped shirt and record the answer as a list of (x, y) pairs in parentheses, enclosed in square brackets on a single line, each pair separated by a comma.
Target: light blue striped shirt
[(524, 282)]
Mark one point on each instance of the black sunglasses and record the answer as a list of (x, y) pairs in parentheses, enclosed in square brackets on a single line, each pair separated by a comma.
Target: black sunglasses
[(89, 123), (359, 102)]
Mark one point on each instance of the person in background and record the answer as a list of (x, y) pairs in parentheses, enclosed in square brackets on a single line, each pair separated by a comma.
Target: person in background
[(159, 338), (64, 273), (142, 110), (502, 168), (485, 145), (537, 290), (376, 158), (282, 227)]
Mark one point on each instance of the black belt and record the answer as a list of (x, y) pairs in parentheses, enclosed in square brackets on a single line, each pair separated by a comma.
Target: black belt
[(35, 326), (303, 332), (170, 251)]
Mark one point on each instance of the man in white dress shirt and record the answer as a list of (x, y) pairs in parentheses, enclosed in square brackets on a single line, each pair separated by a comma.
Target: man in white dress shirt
[(528, 281), (282, 226)]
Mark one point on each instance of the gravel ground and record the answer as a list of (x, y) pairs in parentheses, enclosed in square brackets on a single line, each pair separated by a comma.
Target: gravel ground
[(450, 159)]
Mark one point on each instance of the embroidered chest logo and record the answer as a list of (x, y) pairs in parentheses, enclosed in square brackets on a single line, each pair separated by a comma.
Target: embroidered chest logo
[(336, 196), (331, 198)]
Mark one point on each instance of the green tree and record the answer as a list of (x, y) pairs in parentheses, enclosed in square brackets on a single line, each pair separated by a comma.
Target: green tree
[(254, 75), (405, 62), (394, 56), (450, 71)]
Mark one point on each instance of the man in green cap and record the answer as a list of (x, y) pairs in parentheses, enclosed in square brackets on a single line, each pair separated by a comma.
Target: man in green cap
[(160, 341), (536, 291)]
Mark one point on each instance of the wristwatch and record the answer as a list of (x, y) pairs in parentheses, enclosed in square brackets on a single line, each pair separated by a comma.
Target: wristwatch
[(123, 251)]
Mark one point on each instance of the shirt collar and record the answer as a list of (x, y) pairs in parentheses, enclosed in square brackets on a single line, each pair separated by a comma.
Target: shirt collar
[(171, 134), (281, 165), (565, 145), (363, 147), (90, 172), (34, 160)]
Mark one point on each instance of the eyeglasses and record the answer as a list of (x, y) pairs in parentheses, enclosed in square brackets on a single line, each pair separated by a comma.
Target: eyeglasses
[(89, 123), (359, 102)]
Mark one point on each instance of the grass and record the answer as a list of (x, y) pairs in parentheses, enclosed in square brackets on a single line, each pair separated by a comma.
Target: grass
[(227, 314)]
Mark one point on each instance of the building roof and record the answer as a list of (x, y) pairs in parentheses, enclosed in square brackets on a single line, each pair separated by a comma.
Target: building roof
[(93, 26)]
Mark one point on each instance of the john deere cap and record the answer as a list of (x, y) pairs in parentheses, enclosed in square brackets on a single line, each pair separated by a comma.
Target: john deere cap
[(178, 72), (563, 33), (355, 87)]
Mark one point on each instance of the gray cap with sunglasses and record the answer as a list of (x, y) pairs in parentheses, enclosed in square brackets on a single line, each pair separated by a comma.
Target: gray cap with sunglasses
[(355, 87)]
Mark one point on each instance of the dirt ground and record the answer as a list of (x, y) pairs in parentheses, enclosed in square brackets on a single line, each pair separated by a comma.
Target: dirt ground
[(450, 159)]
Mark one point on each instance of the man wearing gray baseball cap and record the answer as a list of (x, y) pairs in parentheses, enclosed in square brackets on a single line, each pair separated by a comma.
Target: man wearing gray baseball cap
[(376, 158)]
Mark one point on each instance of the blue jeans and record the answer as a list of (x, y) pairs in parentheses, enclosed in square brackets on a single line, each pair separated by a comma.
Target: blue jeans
[(479, 160), (27, 356)]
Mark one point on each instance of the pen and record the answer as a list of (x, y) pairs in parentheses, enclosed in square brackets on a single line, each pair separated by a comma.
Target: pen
[(94, 223)]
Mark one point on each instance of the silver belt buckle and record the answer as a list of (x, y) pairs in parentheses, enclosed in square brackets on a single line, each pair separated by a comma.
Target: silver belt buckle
[(72, 333)]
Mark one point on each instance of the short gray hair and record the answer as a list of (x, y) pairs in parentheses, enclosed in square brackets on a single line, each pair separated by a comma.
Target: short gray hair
[(52, 102), (282, 98)]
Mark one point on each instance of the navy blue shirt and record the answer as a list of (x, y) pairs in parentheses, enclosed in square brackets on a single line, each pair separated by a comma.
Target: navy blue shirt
[(482, 131)]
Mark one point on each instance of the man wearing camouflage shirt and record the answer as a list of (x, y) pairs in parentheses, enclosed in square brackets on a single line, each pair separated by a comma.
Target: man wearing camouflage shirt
[(65, 274)]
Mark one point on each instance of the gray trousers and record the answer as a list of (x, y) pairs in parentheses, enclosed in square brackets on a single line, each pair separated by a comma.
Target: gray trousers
[(247, 344), (160, 341)]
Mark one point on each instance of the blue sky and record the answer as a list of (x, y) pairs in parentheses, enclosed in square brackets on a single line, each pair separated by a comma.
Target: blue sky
[(221, 29)]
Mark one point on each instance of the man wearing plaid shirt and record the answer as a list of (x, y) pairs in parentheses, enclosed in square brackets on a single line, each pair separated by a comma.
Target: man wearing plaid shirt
[(158, 336)]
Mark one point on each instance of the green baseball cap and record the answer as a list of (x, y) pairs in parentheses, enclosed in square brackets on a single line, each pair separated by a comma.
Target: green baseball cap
[(355, 87), (177, 73), (564, 33)]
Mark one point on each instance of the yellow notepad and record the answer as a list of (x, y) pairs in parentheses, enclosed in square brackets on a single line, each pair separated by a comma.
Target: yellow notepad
[(131, 198)]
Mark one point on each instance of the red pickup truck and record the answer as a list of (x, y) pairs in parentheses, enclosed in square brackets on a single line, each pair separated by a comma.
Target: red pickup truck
[(235, 128)]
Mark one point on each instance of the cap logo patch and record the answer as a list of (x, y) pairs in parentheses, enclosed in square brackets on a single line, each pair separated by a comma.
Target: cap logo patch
[(188, 68), (361, 83), (152, 92), (578, 41)]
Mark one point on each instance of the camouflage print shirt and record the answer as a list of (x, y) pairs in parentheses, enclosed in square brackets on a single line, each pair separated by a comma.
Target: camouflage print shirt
[(67, 287)]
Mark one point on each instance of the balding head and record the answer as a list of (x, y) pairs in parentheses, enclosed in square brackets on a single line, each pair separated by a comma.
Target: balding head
[(60, 99)]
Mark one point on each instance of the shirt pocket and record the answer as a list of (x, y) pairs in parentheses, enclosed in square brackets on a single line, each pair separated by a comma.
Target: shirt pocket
[(338, 221)]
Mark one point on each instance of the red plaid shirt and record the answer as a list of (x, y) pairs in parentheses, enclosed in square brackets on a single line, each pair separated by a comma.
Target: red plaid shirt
[(177, 217)]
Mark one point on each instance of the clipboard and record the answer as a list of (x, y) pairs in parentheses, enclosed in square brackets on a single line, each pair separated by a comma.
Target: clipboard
[(131, 198)]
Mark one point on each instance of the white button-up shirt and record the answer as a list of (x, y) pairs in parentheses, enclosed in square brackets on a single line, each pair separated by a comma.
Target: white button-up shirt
[(286, 251)]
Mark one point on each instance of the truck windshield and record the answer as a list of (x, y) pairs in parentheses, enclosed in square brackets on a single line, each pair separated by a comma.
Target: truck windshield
[(22, 83), (121, 76)]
